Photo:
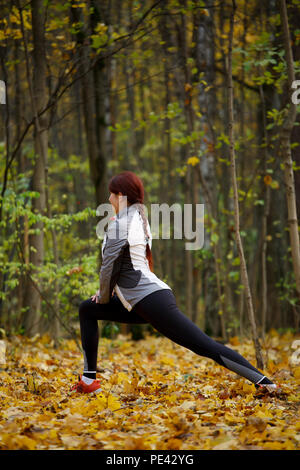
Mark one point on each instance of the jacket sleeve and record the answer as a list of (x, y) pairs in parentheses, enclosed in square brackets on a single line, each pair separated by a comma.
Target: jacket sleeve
[(116, 241)]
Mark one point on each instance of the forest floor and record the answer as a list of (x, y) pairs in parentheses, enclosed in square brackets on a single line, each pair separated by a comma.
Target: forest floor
[(155, 395)]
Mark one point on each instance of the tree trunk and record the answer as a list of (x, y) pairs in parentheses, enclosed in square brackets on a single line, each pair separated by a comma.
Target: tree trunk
[(188, 111), (264, 232), (39, 98), (244, 275), (21, 169), (287, 153), (203, 54), (227, 305), (92, 113)]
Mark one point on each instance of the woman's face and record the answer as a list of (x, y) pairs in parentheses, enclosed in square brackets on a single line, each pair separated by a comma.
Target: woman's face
[(117, 201)]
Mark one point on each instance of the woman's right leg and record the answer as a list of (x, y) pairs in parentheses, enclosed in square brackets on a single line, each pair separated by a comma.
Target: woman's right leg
[(89, 314), (161, 311)]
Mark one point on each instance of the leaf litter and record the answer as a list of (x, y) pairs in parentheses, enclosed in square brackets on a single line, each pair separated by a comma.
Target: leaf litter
[(156, 395)]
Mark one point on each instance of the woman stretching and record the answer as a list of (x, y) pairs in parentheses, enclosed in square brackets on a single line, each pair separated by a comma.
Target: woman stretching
[(131, 293)]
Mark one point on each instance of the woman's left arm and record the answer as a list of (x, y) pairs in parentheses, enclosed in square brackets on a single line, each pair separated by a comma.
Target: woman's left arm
[(116, 242)]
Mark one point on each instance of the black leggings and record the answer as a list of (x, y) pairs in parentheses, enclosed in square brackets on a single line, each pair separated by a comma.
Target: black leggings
[(160, 310)]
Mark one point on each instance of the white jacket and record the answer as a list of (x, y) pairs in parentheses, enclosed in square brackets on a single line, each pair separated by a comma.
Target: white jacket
[(125, 268)]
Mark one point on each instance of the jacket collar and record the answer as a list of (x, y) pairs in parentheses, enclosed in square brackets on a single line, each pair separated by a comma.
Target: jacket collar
[(125, 209)]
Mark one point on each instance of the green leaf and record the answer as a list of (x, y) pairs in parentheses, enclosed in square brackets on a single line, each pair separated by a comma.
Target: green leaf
[(236, 261), (214, 237)]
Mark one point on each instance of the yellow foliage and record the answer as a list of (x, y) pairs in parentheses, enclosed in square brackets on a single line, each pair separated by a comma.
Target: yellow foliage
[(122, 377), (267, 180), (193, 161), (167, 360), (296, 372), (176, 400), (234, 341)]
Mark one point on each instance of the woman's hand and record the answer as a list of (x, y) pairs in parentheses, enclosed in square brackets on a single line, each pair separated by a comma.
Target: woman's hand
[(96, 296)]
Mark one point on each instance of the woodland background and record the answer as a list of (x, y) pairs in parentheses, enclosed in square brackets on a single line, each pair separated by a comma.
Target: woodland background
[(195, 97), (94, 88)]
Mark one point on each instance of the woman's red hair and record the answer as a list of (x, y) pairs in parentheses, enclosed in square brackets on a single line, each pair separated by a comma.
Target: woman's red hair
[(130, 185)]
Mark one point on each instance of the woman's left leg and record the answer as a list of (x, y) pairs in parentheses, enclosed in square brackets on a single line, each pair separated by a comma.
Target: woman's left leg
[(89, 314), (161, 311)]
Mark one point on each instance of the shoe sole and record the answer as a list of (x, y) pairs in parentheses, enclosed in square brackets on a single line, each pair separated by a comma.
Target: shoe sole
[(87, 393)]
